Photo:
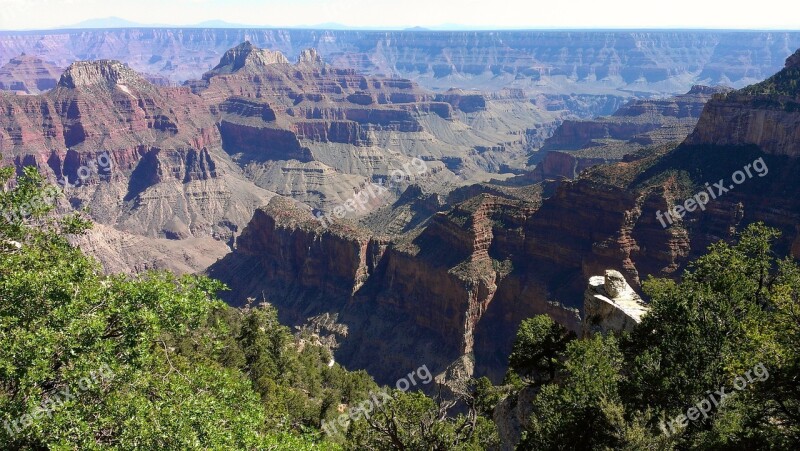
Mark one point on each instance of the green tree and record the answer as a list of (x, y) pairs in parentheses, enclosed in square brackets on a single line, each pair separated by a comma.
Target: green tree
[(686, 342), (414, 421), (537, 347), (575, 413), (95, 362)]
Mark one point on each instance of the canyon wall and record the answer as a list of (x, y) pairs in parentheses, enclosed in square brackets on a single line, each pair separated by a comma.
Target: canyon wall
[(460, 283), (766, 115), (556, 62), (579, 144)]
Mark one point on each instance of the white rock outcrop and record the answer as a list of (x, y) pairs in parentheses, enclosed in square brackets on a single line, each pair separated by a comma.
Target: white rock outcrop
[(611, 305)]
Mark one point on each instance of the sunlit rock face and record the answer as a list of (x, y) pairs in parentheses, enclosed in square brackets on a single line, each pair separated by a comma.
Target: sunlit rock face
[(611, 305), (766, 115)]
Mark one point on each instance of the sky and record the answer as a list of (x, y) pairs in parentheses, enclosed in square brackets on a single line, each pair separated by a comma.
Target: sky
[(469, 14)]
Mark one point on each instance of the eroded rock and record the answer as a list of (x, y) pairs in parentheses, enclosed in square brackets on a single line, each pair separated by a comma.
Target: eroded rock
[(611, 305)]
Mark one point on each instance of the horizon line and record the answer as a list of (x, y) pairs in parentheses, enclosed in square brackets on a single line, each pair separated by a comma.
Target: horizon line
[(410, 29)]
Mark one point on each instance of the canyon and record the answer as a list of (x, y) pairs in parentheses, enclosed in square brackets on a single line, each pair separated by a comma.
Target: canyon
[(578, 144), (193, 162), (549, 62), (28, 75), (547, 156), (492, 255)]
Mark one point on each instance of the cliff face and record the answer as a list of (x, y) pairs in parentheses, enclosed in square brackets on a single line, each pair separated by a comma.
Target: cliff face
[(564, 165), (737, 123), (434, 288), (146, 160), (464, 279), (194, 161), (575, 61), (461, 283), (459, 272), (611, 305), (766, 115), (277, 118), (28, 74), (578, 144)]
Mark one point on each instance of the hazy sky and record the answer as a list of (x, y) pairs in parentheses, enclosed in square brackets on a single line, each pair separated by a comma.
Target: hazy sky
[(760, 14)]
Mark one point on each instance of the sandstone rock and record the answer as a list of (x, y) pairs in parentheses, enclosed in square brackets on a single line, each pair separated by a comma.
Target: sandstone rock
[(309, 56), (453, 285), (611, 305), (270, 114), (102, 72), (164, 173), (552, 61), (122, 252), (465, 278), (29, 75), (247, 56), (444, 286), (766, 115), (793, 61), (738, 123), (579, 144), (511, 416)]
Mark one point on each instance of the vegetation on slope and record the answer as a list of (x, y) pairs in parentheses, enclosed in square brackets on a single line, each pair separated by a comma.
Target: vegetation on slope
[(730, 324), (151, 362), (784, 83), (89, 361)]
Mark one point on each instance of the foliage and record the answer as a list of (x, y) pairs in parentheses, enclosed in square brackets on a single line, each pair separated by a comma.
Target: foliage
[(413, 421), (537, 347), (573, 412), (783, 83), (156, 361), (89, 361), (735, 308)]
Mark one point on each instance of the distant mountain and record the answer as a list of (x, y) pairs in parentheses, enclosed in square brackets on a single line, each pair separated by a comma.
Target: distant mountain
[(107, 22), (580, 144), (330, 26), (118, 22), (224, 24)]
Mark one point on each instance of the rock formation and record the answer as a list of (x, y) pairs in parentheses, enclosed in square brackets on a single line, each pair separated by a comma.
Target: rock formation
[(28, 74), (355, 128), (165, 175), (579, 144), (493, 254), (85, 74), (192, 163), (610, 305), (512, 415), (553, 62), (246, 55), (766, 115), (442, 271), (433, 286)]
